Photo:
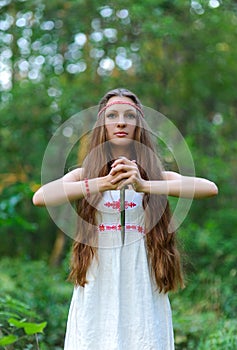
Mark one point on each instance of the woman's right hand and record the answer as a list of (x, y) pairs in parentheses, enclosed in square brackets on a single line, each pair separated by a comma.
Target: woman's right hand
[(105, 183)]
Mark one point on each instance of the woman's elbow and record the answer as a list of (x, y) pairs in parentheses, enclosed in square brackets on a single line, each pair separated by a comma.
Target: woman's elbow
[(37, 199), (213, 189)]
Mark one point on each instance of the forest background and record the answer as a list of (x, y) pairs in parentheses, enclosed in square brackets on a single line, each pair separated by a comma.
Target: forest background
[(58, 58)]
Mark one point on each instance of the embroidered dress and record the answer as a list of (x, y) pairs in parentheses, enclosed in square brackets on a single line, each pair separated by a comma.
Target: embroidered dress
[(120, 308)]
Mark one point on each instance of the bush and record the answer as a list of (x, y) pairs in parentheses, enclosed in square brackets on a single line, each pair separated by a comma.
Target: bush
[(44, 290), (223, 337), (17, 326)]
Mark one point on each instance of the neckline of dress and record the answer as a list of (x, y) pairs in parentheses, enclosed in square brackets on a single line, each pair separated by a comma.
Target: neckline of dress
[(110, 193)]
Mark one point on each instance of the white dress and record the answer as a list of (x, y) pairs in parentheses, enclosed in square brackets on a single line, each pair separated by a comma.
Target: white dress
[(120, 308)]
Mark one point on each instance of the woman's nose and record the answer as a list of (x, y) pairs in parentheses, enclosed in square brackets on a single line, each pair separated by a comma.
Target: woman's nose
[(121, 121)]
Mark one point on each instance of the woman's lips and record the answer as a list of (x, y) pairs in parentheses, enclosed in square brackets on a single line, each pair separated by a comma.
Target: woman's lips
[(121, 134)]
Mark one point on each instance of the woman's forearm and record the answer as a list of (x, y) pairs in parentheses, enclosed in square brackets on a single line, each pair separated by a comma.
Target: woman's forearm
[(186, 187), (59, 191)]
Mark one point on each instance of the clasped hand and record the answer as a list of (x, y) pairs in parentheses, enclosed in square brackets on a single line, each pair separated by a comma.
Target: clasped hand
[(125, 172)]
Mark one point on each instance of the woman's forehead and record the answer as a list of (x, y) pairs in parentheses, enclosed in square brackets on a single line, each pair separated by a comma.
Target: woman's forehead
[(116, 107)]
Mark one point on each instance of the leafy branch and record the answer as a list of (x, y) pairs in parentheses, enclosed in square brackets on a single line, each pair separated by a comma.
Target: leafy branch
[(17, 325)]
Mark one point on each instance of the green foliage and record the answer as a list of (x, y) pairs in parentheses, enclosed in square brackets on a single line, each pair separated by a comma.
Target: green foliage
[(15, 327), (19, 223), (224, 337), (13, 197), (45, 291)]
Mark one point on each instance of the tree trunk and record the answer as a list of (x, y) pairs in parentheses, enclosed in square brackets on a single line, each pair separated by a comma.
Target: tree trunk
[(57, 251)]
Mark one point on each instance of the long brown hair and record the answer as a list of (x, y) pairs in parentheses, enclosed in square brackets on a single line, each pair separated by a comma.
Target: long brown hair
[(163, 255)]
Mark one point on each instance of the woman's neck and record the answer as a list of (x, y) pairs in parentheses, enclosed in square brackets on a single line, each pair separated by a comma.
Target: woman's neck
[(121, 153), (127, 151)]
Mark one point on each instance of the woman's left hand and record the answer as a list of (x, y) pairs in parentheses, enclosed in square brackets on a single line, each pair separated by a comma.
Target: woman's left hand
[(125, 172)]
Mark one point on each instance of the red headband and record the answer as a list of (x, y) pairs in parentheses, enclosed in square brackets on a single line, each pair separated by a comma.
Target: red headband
[(119, 102)]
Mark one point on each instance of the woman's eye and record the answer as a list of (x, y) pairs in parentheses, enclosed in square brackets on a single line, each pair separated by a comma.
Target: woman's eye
[(111, 116), (131, 116)]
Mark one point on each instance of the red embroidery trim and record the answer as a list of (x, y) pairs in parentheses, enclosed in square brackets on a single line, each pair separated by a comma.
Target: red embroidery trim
[(132, 227), (120, 103), (87, 188), (116, 205)]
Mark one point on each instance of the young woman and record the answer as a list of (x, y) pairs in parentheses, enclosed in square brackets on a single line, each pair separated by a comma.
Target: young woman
[(120, 299)]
